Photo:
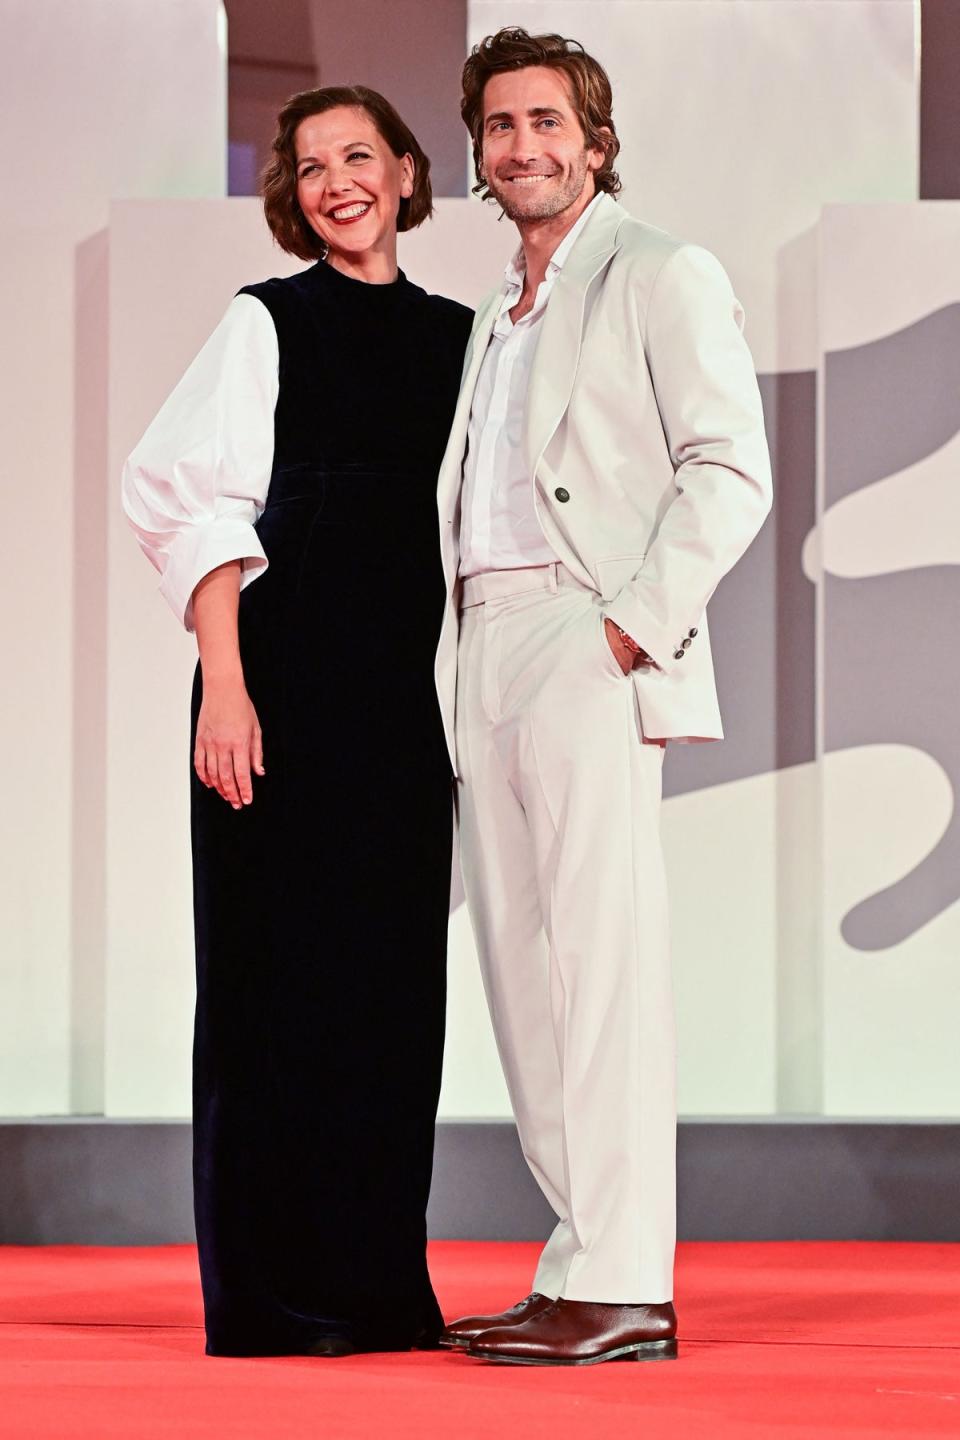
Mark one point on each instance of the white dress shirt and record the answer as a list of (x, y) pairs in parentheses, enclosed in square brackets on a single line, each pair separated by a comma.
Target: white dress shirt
[(197, 481), (499, 529)]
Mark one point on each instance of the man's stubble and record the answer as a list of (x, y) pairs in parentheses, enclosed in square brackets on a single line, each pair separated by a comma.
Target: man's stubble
[(520, 206)]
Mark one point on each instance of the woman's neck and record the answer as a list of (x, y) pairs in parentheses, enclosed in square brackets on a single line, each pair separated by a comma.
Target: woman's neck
[(373, 267)]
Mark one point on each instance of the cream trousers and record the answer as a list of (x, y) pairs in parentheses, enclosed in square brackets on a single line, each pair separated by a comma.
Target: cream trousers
[(559, 806)]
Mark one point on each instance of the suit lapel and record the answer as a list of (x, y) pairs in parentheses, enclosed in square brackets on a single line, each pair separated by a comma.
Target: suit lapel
[(558, 349), (449, 478)]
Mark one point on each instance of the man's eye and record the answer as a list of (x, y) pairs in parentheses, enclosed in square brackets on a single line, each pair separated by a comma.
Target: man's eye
[(548, 120)]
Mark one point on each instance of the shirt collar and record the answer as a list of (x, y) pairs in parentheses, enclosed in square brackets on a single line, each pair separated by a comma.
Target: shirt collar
[(516, 268)]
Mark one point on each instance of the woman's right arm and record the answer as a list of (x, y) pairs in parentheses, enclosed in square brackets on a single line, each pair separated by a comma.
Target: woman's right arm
[(192, 490), (229, 744)]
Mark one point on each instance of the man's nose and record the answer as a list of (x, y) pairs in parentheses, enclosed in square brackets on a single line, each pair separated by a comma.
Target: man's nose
[(523, 155), (524, 147)]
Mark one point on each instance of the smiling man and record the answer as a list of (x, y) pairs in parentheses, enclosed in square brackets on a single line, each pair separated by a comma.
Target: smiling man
[(606, 466)]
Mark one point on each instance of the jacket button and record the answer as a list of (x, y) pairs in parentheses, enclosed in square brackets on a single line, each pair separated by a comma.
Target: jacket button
[(562, 495), (679, 654), (686, 643), (693, 633)]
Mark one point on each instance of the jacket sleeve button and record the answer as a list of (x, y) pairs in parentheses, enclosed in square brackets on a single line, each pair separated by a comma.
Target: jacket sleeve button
[(685, 644), (562, 495), (679, 654), (692, 633)]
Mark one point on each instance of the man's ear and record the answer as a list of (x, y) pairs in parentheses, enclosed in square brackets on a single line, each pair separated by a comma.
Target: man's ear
[(598, 153)]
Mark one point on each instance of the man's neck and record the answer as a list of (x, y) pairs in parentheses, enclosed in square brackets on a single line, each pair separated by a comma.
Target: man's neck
[(540, 238)]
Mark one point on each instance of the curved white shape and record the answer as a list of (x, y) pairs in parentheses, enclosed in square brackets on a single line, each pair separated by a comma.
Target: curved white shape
[(811, 557), (905, 522), (889, 1016)]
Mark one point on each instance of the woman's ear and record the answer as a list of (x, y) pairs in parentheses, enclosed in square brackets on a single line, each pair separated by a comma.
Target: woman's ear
[(406, 177)]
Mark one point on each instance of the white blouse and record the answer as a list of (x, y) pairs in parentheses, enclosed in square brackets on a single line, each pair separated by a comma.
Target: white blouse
[(197, 481)]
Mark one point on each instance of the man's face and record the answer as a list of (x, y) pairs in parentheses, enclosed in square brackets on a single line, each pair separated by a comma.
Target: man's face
[(535, 159)]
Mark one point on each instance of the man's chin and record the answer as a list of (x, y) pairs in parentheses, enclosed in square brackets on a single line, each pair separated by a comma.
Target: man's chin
[(530, 207), (525, 206)]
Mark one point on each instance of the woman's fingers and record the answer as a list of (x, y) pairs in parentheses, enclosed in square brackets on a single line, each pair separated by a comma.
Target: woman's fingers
[(241, 769), (227, 779), (228, 750), (200, 765)]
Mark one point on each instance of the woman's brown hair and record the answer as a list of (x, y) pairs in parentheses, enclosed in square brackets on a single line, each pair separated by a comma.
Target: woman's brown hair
[(278, 183), (512, 48)]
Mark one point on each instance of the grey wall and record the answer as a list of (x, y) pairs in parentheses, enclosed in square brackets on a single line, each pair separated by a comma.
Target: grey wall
[(128, 1183)]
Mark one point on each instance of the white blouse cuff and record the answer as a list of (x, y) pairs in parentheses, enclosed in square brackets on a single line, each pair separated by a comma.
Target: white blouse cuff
[(197, 550)]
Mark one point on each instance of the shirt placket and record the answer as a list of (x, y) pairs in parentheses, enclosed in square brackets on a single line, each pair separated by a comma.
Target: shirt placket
[(503, 399)]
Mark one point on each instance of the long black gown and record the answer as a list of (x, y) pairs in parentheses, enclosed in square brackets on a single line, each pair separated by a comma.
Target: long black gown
[(321, 910)]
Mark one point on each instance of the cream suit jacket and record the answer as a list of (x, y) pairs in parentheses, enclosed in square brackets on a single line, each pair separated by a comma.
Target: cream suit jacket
[(646, 447)]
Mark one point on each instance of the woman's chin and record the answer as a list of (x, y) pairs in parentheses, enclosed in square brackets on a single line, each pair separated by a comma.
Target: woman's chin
[(355, 252)]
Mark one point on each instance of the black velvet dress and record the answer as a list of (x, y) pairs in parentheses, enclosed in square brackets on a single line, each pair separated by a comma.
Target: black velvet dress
[(321, 909)]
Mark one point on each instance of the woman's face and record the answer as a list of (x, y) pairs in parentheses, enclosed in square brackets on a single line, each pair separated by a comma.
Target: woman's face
[(350, 183)]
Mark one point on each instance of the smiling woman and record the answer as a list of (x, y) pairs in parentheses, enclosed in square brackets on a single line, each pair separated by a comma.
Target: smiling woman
[(341, 145), (301, 453)]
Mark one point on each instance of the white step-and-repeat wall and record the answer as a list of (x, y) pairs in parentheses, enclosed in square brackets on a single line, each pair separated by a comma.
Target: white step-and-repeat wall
[(814, 854)]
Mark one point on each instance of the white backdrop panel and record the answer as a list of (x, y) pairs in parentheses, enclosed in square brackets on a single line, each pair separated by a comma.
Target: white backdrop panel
[(739, 118), (890, 542), (96, 100)]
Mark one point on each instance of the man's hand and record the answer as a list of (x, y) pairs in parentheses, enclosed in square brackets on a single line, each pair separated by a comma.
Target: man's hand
[(626, 658)]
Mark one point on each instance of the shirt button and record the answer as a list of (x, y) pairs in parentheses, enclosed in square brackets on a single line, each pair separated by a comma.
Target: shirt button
[(562, 495)]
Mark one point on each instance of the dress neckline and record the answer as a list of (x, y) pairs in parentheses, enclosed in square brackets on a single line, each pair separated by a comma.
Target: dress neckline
[(351, 283)]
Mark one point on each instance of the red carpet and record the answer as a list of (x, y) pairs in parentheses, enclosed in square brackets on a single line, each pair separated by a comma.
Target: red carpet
[(797, 1340)]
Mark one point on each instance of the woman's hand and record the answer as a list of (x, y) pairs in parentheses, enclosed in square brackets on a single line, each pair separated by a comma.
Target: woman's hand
[(229, 748), (229, 743)]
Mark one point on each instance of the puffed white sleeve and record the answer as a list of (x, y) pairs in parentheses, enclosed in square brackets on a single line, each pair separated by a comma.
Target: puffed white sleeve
[(197, 481)]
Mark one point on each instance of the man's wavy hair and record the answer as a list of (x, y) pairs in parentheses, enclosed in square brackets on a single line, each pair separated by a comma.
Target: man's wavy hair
[(278, 183), (512, 48)]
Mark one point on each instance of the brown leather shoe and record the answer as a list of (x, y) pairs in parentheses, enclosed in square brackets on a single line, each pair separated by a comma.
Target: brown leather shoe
[(459, 1333), (579, 1332)]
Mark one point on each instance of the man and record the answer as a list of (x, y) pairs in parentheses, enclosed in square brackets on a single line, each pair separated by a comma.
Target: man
[(607, 466)]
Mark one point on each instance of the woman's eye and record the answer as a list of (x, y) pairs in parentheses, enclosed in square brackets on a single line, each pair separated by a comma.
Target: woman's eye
[(358, 155)]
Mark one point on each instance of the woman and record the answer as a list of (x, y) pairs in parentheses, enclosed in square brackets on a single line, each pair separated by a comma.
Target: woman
[(286, 492)]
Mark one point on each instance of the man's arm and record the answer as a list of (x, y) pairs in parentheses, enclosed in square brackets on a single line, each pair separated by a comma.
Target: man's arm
[(709, 403)]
